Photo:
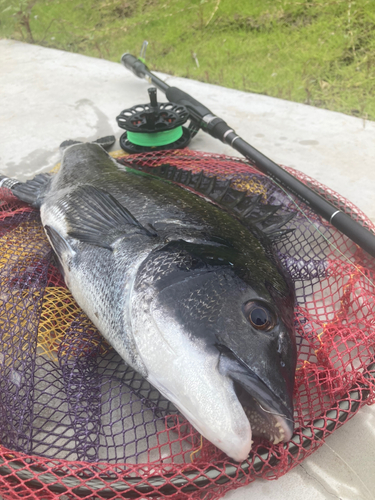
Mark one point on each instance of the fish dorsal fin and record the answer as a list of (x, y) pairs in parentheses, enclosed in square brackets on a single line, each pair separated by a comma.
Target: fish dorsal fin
[(249, 209), (94, 216), (33, 190)]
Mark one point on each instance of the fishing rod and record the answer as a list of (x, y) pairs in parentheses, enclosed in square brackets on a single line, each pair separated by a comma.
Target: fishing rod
[(218, 128)]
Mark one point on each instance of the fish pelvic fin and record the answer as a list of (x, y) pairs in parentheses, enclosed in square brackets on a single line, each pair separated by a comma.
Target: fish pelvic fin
[(60, 246), (258, 217), (31, 191), (94, 216)]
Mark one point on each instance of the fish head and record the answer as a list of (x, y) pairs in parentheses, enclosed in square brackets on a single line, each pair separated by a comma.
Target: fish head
[(216, 336)]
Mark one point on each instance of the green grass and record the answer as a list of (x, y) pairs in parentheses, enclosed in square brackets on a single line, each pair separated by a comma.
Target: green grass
[(315, 52)]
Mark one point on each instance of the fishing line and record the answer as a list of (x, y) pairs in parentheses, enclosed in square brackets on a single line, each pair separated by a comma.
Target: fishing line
[(197, 450), (347, 465), (300, 209), (274, 413), (324, 444), (322, 235)]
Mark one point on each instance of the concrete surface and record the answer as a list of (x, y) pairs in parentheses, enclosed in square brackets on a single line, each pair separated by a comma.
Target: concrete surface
[(48, 96)]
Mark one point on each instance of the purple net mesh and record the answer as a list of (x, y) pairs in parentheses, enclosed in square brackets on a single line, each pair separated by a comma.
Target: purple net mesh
[(76, 422)]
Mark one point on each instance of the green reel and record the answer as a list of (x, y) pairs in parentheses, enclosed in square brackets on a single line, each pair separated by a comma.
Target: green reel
[(154, 126)]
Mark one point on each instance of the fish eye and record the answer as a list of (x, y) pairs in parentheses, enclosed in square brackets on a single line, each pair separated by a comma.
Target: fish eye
[(259, 316)]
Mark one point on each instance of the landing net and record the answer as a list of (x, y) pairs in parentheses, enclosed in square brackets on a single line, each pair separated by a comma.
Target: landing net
[(76, 422)]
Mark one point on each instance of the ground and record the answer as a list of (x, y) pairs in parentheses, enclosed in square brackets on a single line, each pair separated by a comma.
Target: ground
[(320, 53)]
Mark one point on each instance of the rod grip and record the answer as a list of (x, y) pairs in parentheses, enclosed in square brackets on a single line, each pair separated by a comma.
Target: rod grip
[(178, 96)]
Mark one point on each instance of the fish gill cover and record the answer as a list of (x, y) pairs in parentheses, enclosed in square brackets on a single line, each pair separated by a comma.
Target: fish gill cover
[(75, 421)]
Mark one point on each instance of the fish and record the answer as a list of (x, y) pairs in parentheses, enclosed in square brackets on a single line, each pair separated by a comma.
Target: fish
[(179, 274)]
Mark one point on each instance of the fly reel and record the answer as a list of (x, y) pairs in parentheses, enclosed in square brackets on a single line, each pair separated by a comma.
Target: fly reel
[(154, 126)]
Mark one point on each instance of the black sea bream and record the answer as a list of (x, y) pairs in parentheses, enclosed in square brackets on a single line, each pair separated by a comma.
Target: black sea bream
[(185, 287)]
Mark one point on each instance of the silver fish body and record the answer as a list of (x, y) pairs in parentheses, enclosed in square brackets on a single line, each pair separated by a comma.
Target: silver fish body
[(187, 295)]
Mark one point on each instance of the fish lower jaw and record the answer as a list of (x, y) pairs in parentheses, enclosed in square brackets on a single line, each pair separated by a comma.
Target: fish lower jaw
[(268, 425), (236, 444)]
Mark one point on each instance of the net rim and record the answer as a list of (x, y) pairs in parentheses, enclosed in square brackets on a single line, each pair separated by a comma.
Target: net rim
[(135, 487)]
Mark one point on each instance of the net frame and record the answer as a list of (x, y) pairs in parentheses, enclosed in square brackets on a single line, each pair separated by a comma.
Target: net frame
[(37, 476)]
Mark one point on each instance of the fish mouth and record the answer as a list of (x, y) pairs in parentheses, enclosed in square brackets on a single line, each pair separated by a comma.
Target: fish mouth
[(269, 417), (266, 422)]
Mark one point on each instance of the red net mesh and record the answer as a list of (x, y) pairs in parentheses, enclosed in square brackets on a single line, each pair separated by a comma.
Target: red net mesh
[(76, 422)]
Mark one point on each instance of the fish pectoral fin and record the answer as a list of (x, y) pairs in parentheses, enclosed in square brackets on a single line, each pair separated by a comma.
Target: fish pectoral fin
[(94, 216)]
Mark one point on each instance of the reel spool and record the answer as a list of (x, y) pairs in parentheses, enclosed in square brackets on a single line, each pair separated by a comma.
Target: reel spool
[(154, 126)]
